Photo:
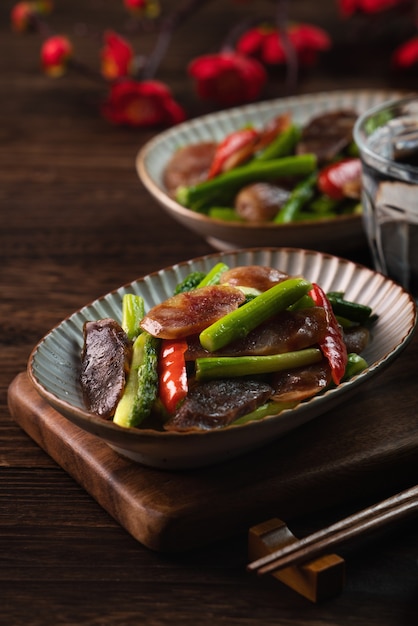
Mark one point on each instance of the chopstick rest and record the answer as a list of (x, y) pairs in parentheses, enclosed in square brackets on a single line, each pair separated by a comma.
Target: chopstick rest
[(393, 509), (316, 580)]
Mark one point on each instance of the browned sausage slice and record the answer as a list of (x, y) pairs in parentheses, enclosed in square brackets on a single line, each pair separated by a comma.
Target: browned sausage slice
[(189, 313)]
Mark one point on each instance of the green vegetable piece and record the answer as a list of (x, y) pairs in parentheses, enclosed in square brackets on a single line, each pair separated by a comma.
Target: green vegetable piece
[(353, 149), (241, 321), (220, 189), (201, 279), (344, 322), (190, 282), (142, 384), (270, 408), (355, 365), (133, 310), (352, 311), (282, 145), (213, 276), (324, 205), (300, 196), (378, 119), (305, 302), (226, 367), (249, 292), (310, 216), (226, 214)]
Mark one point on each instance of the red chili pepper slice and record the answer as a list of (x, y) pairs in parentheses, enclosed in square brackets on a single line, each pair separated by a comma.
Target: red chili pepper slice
[(332, 347), (334, 180), (236, 148), (172, 373)]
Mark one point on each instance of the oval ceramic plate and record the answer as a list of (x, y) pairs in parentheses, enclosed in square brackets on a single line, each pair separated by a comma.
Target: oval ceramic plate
[(54, 364), (330, 235)]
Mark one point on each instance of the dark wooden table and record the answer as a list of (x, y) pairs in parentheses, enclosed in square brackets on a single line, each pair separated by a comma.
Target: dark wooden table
[(76, 223)]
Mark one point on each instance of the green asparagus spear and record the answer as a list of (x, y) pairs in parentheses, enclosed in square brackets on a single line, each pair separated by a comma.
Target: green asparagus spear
[(227, 214), (270, 408), (301, 194), (212, 277), (226, 367), (133, 310), (241, 321), (305, 302), (222, 188), (142, 384), (282, 145)]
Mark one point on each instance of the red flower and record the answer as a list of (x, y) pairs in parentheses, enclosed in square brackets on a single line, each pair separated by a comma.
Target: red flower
[(23, 14), (228, 78), (256, 42), (265, 43), (148, 8), (349, 7), (55, 54), (406, 54), (147, 103), (308, 41), (116, 56)]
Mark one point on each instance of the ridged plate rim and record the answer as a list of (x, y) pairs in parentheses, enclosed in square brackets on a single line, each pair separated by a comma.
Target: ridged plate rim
[(54, 362)]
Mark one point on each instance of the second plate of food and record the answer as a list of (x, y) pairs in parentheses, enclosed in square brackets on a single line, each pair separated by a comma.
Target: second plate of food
[(332, 234)]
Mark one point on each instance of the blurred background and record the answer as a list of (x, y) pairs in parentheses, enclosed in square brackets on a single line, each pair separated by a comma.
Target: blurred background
[(364, 36), (39, 113)]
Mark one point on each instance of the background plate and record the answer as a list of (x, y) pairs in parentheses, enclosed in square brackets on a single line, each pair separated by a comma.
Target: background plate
[(331, 235)]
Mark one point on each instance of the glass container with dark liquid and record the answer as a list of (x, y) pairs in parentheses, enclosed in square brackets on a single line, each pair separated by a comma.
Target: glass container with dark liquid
[(388, 141)]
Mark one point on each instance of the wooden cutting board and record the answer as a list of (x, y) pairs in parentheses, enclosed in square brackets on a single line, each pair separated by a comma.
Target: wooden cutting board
[(360, 449)]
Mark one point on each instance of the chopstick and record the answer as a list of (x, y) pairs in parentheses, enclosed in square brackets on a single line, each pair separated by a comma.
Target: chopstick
[(394, 508)]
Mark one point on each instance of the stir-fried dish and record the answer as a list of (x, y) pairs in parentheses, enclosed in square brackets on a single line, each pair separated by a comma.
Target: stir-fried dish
[(233, 345), (281, 173)]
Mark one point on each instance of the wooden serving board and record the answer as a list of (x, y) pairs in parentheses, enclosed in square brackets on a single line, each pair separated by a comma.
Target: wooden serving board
[(358, 450)]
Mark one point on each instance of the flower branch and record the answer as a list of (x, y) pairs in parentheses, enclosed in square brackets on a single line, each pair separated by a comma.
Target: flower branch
[(236, 74)]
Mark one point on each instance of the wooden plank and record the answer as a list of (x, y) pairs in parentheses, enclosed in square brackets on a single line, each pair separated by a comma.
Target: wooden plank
[(323, 463)]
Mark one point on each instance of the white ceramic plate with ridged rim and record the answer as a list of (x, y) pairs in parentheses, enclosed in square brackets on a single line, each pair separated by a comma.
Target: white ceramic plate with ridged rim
[(332, 235), (54, 364)]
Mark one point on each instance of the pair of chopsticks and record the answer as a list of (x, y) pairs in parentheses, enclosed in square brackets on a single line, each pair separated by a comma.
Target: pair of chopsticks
[(372, 518)]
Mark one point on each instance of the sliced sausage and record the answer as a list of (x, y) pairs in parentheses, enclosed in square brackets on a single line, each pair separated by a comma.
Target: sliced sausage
[(260, 202), (189, 165), (258, 277), (190, 312)]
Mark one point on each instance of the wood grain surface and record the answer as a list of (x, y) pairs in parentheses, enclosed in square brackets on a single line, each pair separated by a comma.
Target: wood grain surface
[(76, 223), (335, 459)]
